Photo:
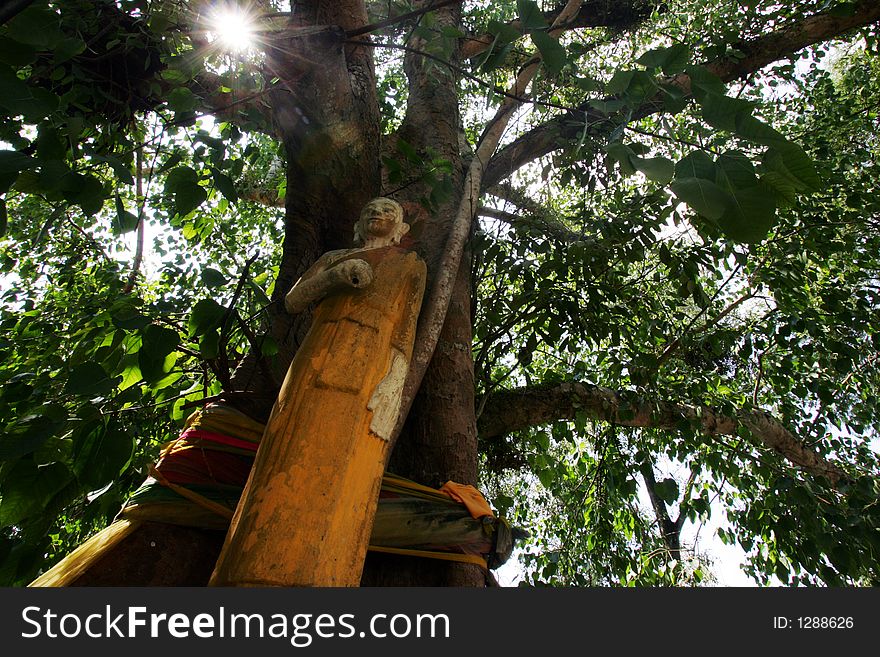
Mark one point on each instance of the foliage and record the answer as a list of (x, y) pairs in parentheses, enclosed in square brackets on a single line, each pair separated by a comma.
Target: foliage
[(719, 249), (96, 375), (771, 306)]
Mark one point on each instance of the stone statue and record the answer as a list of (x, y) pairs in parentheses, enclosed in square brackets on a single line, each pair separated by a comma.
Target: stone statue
[(305, 516)]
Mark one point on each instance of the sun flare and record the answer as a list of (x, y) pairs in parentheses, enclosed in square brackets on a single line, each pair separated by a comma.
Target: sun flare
[(233, 28)]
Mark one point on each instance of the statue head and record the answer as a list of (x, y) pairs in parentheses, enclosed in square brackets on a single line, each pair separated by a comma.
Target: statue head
[(381, 223)]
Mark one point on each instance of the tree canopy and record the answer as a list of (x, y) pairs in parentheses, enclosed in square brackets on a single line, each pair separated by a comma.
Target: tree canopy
[(657, 224)]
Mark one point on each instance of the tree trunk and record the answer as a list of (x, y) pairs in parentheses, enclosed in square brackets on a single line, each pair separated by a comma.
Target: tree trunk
[(326, 116), (439, 439)]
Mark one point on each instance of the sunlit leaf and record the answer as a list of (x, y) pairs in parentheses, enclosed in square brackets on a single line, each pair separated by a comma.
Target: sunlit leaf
[(704, 196), (530, 15), (206, 315), (658, 169), (552, 52)]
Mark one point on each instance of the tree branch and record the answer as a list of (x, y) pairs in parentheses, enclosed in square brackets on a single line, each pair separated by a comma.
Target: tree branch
[(141, 221), (262, 195), (670, 531), (512, 410), (537, 213), (437, 299), (399, 18), (620, 15), (756, 53)]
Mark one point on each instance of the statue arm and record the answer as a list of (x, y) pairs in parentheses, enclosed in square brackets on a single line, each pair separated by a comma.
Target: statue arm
[(323, 279)]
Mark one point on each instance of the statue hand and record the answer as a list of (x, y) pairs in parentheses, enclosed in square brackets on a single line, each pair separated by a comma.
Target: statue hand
[(355, 273), (349, 274)]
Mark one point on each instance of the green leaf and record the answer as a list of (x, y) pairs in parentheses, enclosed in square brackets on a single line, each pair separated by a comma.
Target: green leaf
[(674, 99), (672, 59), (225, 185), (18, 98), (180, 176), (89, 379), (188, 197), (49, 144), (103, 452), (723, 112), (641, 87), (27, 488), (587, 84), (667, 490), (123, 221), (209, 344), (410, 153), (546, 477), (782, 186), (36, 26), (624, 155), (530, 15), (735, 171), (130, 319), (696, 164), (131, 372), (504, 32), (756, 130), (182, 99), (843, 9), (11, 162), (15, 53), (751, 215), (552, 52), (206, 315), (797, 163), (677, 57), (153, 358), (495, 57), (32, 431), (652, 58), (658, 169), (183, 183), (703, 81), (89, 195), (268, 346), (213, 278), (13, 90), (4, 217), (619, 82), (119, 168), (607, 106), (703, 196), (67, 48)]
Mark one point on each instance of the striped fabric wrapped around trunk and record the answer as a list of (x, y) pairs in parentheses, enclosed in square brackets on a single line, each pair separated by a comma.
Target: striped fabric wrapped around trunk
[(199, 478)]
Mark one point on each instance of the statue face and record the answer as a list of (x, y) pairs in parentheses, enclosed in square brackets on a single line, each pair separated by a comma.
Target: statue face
[(381, 217)]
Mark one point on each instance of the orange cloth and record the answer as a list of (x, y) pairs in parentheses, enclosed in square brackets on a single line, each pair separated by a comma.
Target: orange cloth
[(470, 497)]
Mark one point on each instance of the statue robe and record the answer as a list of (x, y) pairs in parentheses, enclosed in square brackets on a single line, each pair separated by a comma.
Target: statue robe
[(306, 513)]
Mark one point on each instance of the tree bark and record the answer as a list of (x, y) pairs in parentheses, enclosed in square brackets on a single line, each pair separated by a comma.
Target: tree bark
[(439, 441), (670, 531), (511, 410), (326, 115)]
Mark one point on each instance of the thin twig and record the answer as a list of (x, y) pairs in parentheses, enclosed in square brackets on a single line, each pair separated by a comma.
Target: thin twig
[(224, 324), (366, 29), (139, 248)]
